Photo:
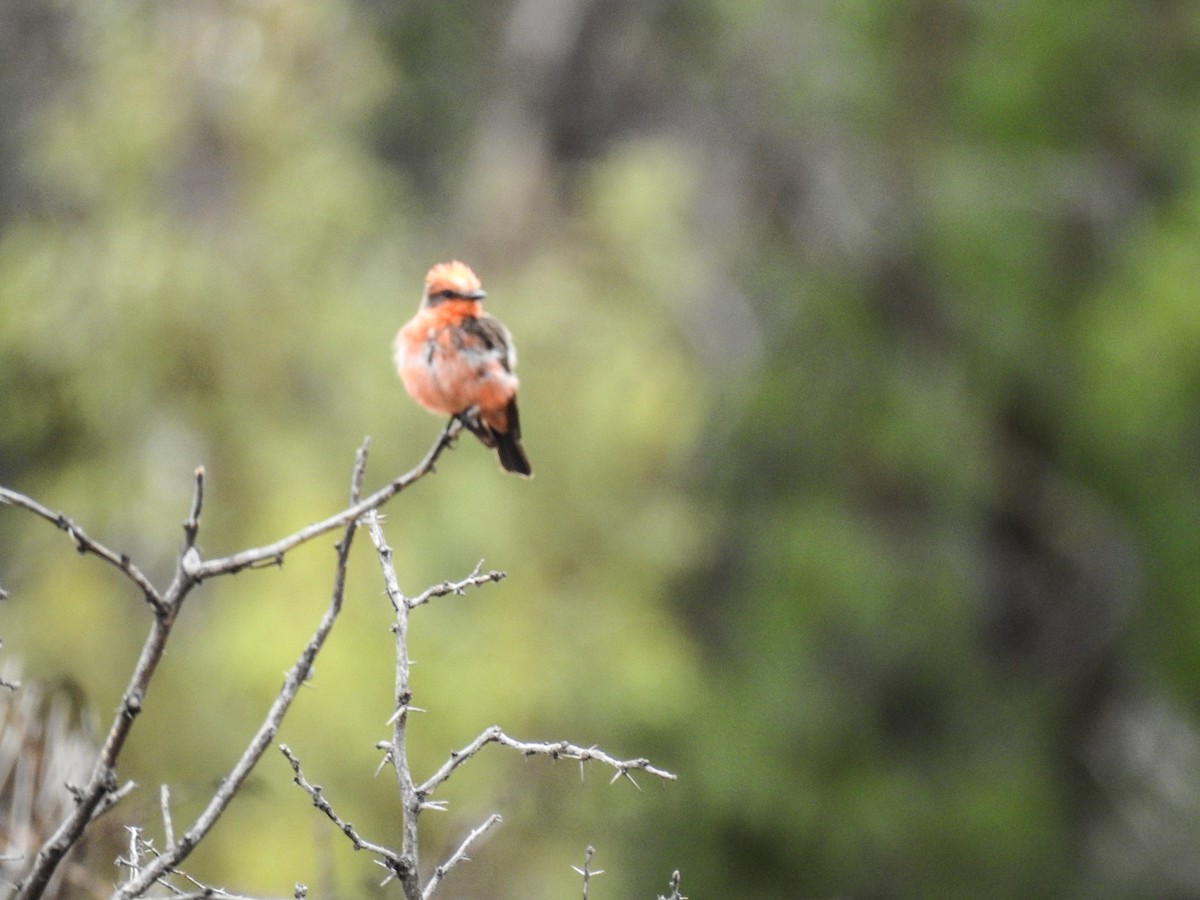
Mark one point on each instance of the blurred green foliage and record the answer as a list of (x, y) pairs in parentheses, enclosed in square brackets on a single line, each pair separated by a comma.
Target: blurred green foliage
[(860, 361)]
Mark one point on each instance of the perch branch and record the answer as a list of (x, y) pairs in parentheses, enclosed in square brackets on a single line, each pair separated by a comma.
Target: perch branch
[(272, 554)]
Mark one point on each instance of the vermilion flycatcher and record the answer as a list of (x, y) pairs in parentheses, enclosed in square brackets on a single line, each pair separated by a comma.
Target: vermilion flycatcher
[(456, 360)]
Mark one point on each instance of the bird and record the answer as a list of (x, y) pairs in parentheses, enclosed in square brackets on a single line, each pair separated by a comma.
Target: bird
[(456, 360)]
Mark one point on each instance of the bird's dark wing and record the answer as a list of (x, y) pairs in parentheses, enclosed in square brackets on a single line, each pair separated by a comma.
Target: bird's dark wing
[(491, 334)]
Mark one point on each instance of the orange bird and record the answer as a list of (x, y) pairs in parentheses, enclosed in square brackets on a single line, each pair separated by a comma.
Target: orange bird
[(456, 360)]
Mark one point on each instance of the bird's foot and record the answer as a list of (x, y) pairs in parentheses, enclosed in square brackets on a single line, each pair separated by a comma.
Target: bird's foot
[(470, 419)]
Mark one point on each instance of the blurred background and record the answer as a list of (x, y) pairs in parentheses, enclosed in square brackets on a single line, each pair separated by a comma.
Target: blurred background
[(860, 359)]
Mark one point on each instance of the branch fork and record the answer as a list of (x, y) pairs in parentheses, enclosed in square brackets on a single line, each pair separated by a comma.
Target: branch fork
[(100, 791), (146, 865)]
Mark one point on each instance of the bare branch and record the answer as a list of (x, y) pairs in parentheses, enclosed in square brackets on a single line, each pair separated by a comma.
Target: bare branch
[(410, 800), (393, 862), (112, 798), (475, 579), (134, 859), (459, 855), (98, 793), (674, 886), (555, 750), (391, 584), (85, 544), (178, 850), (147, 866), (587, 872), (140, 847), (272, 554), (164, 802), (191, 525)]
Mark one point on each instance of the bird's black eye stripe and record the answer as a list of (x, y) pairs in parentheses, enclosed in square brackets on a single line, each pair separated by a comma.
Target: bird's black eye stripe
[(448, 294)]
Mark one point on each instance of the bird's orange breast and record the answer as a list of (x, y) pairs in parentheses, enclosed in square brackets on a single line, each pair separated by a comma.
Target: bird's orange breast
[(448, 370)]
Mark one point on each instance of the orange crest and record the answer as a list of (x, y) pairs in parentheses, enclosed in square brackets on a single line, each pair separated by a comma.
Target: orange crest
[(452, 276)]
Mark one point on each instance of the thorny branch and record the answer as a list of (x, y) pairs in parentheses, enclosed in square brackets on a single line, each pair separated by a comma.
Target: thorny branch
[(140, 847), (475, 579), (673, 884), (395, 864), (459, 855), (178, 850), (98, 793), (101, 790), (411, 800), (410, 880), (417, 798), (587, 871), (553, 749)]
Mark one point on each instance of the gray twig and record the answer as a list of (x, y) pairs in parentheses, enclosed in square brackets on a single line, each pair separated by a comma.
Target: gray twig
[(101, 791), (178, 850), (164, 801), (446, 588), (413, 800), (416, 798), (140, 847), (409, 799), (272, 554), (85, 544), (553, 749), (673, 884), (98, 793), (393, 862), (459, 855), (587, 872)]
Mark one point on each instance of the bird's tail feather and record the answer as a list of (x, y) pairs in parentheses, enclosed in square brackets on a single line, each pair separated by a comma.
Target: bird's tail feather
[(512, 454), (507, 444)]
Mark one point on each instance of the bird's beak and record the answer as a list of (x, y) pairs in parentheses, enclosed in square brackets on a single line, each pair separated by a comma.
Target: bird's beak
[(476, 295)]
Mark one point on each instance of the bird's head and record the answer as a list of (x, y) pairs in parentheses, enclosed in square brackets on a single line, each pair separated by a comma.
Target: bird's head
[(452, 281)]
